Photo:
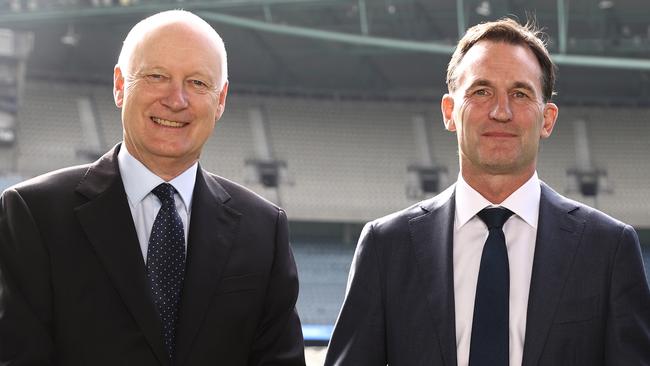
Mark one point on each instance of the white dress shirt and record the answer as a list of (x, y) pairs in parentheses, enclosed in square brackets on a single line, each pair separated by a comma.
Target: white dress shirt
[(470, 234), (138, 182)]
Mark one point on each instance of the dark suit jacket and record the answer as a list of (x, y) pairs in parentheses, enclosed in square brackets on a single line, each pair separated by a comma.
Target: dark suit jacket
[(589, 302), (73, 286)]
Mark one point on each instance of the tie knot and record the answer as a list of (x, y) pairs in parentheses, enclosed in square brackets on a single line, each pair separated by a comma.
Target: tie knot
[(164, 192), (495, 217)]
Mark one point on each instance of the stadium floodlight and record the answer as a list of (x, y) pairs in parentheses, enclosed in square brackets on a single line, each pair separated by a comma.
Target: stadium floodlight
[(71, 37)]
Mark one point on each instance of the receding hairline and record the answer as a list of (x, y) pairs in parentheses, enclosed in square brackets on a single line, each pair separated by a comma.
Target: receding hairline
[(170, 18), (466, 61), (509, 31)]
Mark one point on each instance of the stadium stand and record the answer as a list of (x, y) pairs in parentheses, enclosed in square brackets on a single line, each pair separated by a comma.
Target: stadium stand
[(322, 269), (48, 131), (346, 162), (335, 118)]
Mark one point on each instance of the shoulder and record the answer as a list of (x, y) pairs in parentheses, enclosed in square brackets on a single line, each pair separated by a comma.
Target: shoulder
[(399, 221), (597, 225), (46, 196), (58, 181), (238, 197), (579, 210)]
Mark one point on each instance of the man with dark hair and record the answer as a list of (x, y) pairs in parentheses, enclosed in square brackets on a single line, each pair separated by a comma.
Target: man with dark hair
[(143, 258), (498, 269)]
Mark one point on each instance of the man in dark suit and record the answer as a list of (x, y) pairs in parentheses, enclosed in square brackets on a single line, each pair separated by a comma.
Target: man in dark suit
[(143, 258), (498, 269)]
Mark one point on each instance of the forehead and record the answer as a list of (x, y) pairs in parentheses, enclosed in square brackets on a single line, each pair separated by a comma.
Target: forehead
[(499, 62), (177, 44)]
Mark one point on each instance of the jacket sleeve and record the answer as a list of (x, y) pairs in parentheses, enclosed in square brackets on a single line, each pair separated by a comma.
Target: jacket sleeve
[(279, 340), (628, 318), (359, 334), (25, 290)]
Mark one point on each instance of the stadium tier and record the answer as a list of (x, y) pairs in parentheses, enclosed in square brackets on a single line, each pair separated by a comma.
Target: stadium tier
[(341, 160)]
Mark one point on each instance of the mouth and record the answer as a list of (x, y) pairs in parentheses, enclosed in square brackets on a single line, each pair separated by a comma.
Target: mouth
[(499, 134), (168, 123)]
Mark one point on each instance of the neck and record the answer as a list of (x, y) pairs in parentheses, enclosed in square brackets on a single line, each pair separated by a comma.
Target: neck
[(169, 171), (167, 168), (495, 187)]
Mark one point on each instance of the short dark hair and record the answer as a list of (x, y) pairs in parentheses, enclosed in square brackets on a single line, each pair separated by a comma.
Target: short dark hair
[(509, 31)]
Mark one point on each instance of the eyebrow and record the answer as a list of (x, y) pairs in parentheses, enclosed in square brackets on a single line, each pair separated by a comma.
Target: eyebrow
[(523, 85), (201, 74), (480, 82), (516, 85)]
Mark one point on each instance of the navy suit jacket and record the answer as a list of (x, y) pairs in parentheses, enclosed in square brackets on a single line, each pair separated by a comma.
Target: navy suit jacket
[(73, 284), (589, 302)]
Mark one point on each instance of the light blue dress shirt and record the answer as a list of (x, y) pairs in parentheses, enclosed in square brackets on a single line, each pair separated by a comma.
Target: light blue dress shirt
[(138, 182)]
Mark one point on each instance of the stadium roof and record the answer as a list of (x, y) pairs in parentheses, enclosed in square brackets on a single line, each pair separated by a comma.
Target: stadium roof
[(351, 48)]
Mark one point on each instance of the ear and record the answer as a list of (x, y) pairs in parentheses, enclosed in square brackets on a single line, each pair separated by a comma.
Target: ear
[(549, 119), (118, 86), (222, 101), (447, 108)]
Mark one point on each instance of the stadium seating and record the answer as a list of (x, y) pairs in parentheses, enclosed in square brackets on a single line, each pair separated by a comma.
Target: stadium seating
[(346, 161), (322, 269)]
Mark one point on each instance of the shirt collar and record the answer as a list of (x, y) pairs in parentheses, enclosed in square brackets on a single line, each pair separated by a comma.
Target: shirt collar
[(138, 180), (524, 202)]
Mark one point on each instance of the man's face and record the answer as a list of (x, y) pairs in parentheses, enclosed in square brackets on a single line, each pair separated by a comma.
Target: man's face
[(497, 110), (171, 96)]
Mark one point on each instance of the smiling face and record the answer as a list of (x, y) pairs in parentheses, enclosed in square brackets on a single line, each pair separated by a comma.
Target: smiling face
[(497, 110), (171, 95)]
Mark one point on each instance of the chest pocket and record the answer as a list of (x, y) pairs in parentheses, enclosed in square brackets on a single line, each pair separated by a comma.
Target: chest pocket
[(240, 283), (577, 310)]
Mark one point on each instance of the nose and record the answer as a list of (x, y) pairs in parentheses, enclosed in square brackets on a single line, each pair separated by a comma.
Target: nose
[(176, 97), (501, 110)]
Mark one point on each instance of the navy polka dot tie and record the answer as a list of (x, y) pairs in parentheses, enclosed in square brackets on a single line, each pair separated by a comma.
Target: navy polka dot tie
[(490, 331), (166, 263)]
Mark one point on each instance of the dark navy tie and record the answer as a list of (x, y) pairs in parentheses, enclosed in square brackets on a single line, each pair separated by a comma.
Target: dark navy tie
[(166, 263), (489, 343)]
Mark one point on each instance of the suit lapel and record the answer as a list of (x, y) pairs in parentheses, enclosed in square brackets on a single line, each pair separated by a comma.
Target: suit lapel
[(106, 221), (212, 232), (558, 236), (432, 239)]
